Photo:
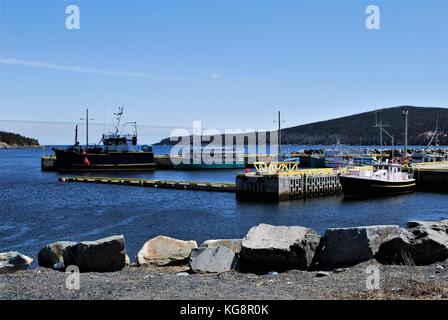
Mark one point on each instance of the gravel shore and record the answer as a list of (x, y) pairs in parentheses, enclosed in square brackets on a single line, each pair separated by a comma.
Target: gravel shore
[(396, 282)]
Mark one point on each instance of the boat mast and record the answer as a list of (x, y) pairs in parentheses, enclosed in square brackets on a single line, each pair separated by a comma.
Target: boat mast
[(118, 119), (76, 135), (435, 132)]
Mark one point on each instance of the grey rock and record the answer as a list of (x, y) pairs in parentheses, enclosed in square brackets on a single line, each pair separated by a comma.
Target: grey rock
[(232, 244), (164, 251), (212, 260), (277, 248), (103, 255), (13, 261), (53, 254), (419, 245), (321, 274), (182, 274), (344, 247)]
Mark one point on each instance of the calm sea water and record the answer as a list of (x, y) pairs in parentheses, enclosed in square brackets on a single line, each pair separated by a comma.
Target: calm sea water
[(36, 209)]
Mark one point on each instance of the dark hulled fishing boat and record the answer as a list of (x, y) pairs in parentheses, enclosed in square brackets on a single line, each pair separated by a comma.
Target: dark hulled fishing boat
[(117, 152), (382, 180)]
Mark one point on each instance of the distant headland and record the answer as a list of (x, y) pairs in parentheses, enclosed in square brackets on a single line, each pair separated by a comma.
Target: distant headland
[(14, 140), (359, 129)]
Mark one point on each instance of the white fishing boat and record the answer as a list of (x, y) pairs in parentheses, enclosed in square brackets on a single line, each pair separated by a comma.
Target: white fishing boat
[(382, 180)]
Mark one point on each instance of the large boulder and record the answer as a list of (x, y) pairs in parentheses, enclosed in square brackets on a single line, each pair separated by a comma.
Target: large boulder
[(421, 244), (104, 255), (164, 251), (212, 260), (53, 254), (344, 247), (232, 244), (277, 248), (13, 261)]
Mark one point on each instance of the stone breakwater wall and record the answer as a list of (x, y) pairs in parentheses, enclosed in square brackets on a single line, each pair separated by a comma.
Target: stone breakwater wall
[(264, 249)]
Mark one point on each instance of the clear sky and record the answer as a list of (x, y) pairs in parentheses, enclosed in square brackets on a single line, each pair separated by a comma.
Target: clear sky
[(230, 64)]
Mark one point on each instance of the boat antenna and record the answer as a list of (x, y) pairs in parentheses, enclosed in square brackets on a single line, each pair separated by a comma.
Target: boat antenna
[(104, 120), (118, 119)]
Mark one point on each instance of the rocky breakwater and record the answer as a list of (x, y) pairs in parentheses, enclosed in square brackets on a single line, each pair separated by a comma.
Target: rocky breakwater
[(264, 249)]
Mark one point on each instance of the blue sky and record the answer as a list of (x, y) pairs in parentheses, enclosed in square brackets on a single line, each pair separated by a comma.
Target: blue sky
[(230, 64)]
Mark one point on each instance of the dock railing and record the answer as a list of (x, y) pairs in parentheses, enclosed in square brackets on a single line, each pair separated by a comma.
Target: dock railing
[(292, 169)]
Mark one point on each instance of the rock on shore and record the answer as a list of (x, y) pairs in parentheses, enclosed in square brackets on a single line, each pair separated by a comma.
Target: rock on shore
[(103, 255), (423, 243), (13, 261), (163, 251), (277, 248), (212, 260), (53, 254), (343, 247)]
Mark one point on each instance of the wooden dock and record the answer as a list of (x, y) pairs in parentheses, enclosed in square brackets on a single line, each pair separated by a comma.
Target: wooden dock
[(169, 184)]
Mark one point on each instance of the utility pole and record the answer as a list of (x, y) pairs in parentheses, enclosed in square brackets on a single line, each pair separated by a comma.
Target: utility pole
[(405, 113), (279, 136), (87, 127)]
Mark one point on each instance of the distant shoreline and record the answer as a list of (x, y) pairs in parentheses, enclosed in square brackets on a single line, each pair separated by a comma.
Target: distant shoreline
[(4, 145)]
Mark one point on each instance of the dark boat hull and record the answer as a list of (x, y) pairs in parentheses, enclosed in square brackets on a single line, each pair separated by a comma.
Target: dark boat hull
[(354, 187), (308, 161), (68, 160)]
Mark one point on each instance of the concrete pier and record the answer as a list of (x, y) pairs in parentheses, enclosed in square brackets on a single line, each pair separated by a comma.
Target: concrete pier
[(432, 180), (48, 163), (432, 176), (274, 187)]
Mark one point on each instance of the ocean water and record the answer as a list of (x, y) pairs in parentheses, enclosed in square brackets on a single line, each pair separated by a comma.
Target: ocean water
[(36, 209)]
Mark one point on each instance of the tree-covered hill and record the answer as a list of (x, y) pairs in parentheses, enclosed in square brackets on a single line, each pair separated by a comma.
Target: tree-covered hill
[(359, 129), (8, 139)]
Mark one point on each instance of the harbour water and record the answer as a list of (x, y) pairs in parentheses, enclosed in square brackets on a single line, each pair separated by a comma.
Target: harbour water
[(37, 209)]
